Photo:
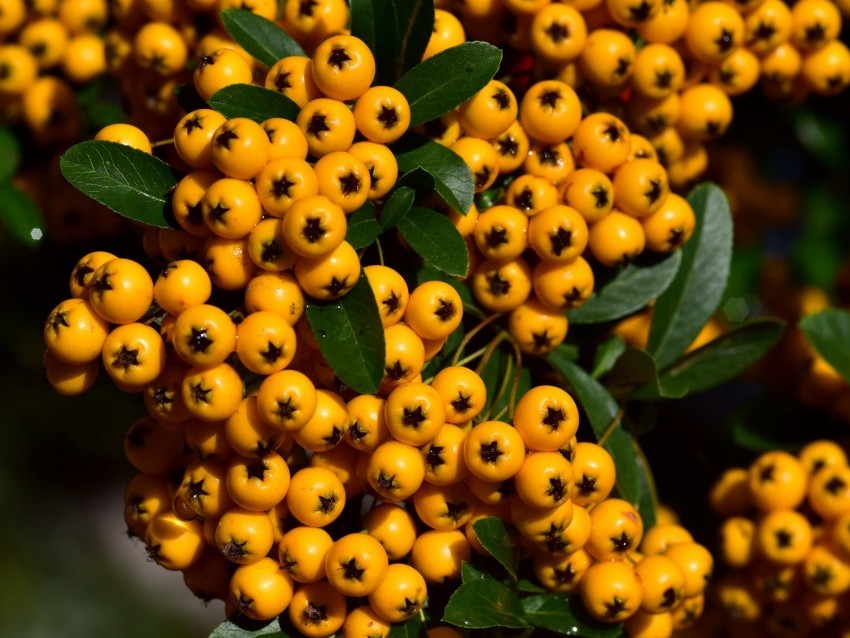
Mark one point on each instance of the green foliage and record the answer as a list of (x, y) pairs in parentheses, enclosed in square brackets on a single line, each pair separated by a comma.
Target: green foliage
[(10, 154), (482, 602), (349, 336), (260, 37), (134, 184), (452, 177), (398, 205), (436, 240), (494, 536), (363, 227), (565, 615), (20, 216), (442, 82), (413, 628), (693, 296), (254, 102), (245, 628), (828, 331)]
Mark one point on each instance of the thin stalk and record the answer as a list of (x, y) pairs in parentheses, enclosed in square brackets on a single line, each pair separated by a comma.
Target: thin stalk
[(469, 336)]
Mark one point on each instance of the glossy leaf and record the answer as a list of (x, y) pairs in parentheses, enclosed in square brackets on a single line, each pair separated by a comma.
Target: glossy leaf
[(688, 303), (363, 22), (494, 536), (485, 603), (134, 184), (398, 205), (254, 102), (20, 215), (606, 356), (363, 227), (259, 36), (636, 368), (728, 355), (436, 240), (448, 79), (10, 154), (634, 481), (828, 331), (246, 628), (631, 289), (413, 628), (598, 404), (350, 337), (452, 177), (470, 573), (566, 615)]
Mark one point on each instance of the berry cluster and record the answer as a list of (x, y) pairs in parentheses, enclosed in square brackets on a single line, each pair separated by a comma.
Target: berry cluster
[(785, 543)]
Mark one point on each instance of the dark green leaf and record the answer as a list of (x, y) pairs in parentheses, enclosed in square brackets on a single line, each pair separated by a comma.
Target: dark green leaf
[(530, 587), (350, 337), (419, 180), (484, 603), (636, 368), (829, 333), (686, 306), (134, 184), (188, 98), (397, 206), (99, 114), (606, 355), (254, 102), (599, 406), (363, 227), (470, 573), (501, 403), (259, 36), (728, 355), (363, 22), (246, 628), (634, 480), (494, 536), (436, 240), (412, 628), (566, 615), (631, 289), (441, 360), (10, 154), (399, 33), (429, 273), (448, 79), (452, 177), (20, 216)]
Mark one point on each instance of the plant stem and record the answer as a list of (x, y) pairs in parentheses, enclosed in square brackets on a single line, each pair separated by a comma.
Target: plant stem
[(170, 140), (611, 427), (469, 336)]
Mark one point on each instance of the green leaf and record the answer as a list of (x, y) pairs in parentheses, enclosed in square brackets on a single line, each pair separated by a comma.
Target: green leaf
[(363, 227), (634, 481), (530, 587), (134, 184), (470, 573), (829, 333), (246, 628), (442, 82), (485, 603), (419, 180), (606, 356), (495, 537), (566, 615), (188, 98), (631, 289), (686, 306), (412, 628), (729, 355), (436, 240), (599, 406), (254, 102), (20, 216), (10, 154), (429, 273), (452, 177), (350, 337), (636, 368), (259, 36), (397, 206), (363, 22), (441, 360), (99, 114)]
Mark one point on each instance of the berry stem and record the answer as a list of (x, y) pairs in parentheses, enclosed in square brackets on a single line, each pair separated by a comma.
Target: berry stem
[(471, 334), (159, 143)]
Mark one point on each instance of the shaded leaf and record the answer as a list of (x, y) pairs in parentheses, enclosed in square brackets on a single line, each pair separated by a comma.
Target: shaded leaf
[(436, 240), (634, 481), (452, 177), (397, 31), (442, 358), (598, 404), (828, 331), (448, 79), (727, 356), (494, 536), (397, 206), (631, 289), (688, 303), (484, 603), (188, 98), (20, 216), (429, 273), (350, 337), (413, 628), (10, 154), (471, 573), (363, 227), (245, 628), (606, 356), (259, 36), (636, 368), (134, 184), (530, 587), (254, 102), (419, 180), (363, 22), (567, 616)]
